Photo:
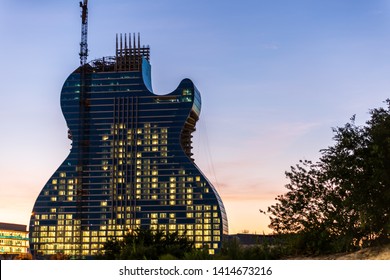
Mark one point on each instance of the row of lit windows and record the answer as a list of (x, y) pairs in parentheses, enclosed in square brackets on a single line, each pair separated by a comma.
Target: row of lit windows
[(147, 128), (130, 136), (52, 231), (8, 250), (69, 198), (63, 181), (180, 198), (66, 225), (143, 170), (145, 142), (147, 133), (70, 252), (12, 234), (10, 242), (53, 250), (197, 211), (206, 229)]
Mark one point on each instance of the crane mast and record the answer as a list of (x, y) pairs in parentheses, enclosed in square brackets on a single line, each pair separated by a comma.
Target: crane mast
[(83, 127), (84, 32)]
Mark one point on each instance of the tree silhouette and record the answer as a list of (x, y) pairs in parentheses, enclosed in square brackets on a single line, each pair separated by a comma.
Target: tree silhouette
[(147, 244), (343, 200)]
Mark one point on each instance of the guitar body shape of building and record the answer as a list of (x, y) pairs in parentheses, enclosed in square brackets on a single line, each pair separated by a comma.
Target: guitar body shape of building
[(130, 166)]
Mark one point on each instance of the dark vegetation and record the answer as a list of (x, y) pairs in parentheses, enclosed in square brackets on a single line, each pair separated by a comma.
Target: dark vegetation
[(149, 245), (342, 202)]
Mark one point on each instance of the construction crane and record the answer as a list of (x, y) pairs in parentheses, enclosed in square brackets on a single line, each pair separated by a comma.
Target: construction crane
[(84, 32), (83, 115)]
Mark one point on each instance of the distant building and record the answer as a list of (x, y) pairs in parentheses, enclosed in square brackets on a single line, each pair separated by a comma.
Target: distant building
[(248, 239), (13, 240)]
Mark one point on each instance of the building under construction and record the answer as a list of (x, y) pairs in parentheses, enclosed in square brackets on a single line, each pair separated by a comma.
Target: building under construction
[(131, 164)]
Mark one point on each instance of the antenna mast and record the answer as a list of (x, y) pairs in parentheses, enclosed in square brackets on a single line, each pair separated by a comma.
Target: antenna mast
[(84, 33)]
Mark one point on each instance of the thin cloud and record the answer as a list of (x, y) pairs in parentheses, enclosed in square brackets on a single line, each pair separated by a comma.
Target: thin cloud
[(270, 46)]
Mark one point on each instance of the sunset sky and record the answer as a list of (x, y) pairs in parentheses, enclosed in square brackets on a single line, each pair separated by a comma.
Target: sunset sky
[(275, 77)]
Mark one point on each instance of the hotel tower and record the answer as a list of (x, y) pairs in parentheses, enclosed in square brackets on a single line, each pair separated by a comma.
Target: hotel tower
[(131, 164)]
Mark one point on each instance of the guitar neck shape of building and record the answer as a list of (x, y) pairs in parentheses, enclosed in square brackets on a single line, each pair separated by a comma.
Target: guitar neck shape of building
[(131, 164)]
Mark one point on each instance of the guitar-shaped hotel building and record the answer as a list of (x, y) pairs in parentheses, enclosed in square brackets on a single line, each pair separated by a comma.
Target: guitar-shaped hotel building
[(130, 166)]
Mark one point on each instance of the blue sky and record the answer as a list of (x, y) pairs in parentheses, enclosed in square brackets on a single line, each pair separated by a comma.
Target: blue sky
[(275, 77)]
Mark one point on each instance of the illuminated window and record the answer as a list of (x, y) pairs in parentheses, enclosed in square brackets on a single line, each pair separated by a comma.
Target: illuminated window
[(186, 92), (162, 227), (182, 227), (153, 227)]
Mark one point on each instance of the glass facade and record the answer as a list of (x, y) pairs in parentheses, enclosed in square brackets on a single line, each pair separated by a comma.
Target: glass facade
[(130, 165)]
